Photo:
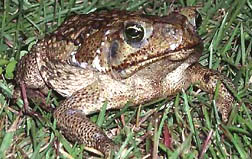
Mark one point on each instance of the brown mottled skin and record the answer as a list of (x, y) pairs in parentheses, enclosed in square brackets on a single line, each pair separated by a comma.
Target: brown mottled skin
[(115, 57)]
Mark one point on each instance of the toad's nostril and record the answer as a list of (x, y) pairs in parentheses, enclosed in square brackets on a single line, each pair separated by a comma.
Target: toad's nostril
[(169, 31)]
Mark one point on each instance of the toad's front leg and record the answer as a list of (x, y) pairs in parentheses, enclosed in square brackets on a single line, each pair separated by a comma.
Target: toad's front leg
[(207, 79), (72, 121), (204, 78)]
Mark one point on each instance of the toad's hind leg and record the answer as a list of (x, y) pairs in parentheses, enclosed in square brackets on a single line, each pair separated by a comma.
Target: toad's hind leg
[(207, 79), (72, 121)]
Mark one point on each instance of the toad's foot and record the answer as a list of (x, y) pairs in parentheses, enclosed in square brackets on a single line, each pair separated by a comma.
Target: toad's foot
[(72, 121), (78, 128), (207, 79)]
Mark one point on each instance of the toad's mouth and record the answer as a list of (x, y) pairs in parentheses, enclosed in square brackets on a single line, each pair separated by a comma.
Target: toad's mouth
[(131, 66)]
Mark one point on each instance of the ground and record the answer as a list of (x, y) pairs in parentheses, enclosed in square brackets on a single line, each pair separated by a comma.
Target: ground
[(186, 126)]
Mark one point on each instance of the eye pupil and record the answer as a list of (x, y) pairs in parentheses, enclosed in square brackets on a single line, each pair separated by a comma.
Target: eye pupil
[(134, 33)]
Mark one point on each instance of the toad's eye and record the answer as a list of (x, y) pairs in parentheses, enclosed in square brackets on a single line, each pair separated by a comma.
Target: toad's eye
[(133, 33)]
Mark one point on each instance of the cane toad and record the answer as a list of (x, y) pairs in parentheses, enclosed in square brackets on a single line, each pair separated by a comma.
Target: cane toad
[(115, 57)]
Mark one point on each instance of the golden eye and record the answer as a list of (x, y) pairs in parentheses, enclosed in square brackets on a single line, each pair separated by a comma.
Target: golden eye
[(133, 32)]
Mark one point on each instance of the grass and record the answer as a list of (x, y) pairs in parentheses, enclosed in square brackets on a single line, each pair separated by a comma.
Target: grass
[(190, 119)]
